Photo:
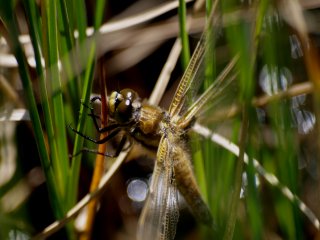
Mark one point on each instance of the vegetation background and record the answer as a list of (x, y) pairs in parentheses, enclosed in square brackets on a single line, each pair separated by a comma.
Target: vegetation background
[(51, 56)]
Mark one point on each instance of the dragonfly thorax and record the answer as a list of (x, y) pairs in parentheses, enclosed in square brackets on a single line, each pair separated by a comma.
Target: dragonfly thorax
[(123, 104)]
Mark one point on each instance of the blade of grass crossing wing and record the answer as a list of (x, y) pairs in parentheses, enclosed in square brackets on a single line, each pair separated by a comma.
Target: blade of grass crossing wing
[(185, 57), (203, 162)]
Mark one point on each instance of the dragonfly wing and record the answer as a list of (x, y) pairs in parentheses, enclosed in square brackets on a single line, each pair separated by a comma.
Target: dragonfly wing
[(160, 214), (194, 74), (215, 95), (188, 77)]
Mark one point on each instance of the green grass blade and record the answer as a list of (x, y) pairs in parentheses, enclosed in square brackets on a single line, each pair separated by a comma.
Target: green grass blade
[(66, 26), (76, 161), (99, 11), (199, 167), (81, 19), (53, 81), (252, 198), (240, 41), (35, 34), (285, 156), (86, 91), (182, 11), (10, 22), (80, 24)]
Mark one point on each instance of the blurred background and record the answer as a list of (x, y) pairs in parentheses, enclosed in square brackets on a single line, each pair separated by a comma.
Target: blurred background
[(51, 56)]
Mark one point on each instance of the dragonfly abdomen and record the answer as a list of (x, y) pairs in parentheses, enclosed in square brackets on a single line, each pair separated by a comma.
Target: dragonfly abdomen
[(188, 187)]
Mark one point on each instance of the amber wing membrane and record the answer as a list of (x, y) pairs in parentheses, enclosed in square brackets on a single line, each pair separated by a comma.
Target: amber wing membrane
[(187, 79), (193, 75), (212, 95), (160, 214)]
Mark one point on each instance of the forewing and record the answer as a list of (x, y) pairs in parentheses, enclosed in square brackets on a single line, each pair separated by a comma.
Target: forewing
[(218, 94), (160, 214), (194, 74), (188, 77)]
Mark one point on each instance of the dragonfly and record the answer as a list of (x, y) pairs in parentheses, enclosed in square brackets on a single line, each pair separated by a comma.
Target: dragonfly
[(173, 169), (168, 132)]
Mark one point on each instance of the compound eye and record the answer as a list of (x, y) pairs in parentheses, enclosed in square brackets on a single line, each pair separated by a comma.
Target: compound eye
[(114, 100), (124, 110), (129, 94), (120, 104)]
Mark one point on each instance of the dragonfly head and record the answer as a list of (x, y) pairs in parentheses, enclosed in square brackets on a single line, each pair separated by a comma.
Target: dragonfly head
[(123, 104)]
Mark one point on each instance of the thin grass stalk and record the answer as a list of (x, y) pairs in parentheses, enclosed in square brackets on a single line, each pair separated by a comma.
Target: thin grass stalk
[(99, 13), (35, 34), (60, 157), (86, 91), (46, 94), (199, 167), (237, 177), (203, 153), (67, 23), (241, 43), (185, 53), (99, 162), (69, 65), (252, 197), (251, 191), (209, 76), (210, 69), (85, 88), (185, 58), (81, 19), (76, 161)]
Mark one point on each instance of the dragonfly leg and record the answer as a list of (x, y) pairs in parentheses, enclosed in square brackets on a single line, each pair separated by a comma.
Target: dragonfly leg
[(95, 99), (121, 145), (100, 141), (92, 113), (88, 150), (92, 100), (116, 154), (94, 118)]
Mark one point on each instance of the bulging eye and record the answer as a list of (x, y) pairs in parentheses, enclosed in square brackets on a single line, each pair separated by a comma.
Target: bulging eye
[(129, 94), (114, 100), (120, 105)]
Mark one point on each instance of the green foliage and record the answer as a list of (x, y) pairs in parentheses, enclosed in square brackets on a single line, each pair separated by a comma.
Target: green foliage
[(65, 67), (52, 35)]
